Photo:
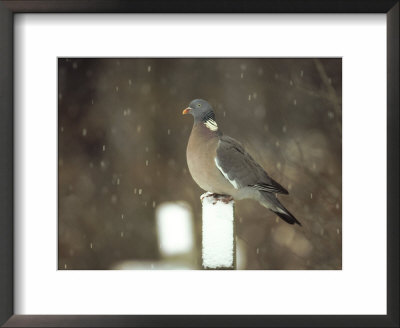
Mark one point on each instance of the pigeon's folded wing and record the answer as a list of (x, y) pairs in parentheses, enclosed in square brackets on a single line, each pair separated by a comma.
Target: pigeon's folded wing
[(241, 169)]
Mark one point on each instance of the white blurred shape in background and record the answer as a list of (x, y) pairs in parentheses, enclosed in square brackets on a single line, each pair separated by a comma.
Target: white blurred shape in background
[(175, 228), (174, 221)]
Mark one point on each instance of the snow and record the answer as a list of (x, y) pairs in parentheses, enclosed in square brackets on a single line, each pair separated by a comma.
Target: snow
[(163, 264), (218, 233)]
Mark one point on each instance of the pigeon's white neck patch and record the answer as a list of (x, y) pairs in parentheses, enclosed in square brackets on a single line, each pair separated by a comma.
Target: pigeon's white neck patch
[(211, 124)]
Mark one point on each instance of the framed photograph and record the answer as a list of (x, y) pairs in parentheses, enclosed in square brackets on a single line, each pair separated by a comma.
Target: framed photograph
[(124, 115), (199, 164)]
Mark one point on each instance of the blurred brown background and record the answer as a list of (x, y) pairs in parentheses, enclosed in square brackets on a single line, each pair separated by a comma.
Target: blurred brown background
[(122, 153)]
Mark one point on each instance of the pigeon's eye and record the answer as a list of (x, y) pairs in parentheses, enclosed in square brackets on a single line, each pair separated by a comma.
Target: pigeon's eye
[(198, 105)]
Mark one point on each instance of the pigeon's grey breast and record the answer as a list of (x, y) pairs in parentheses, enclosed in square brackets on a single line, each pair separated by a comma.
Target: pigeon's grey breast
[(201, 154)]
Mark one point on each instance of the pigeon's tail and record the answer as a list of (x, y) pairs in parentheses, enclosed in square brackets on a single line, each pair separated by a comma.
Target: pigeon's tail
[(288, 217), (270, 201)]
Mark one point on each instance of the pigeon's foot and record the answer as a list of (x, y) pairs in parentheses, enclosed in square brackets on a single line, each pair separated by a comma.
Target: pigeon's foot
[(225, 198), (206, 194), (216, 197)]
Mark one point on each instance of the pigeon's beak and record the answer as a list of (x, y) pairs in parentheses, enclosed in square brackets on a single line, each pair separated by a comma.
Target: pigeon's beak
[(186, 110)]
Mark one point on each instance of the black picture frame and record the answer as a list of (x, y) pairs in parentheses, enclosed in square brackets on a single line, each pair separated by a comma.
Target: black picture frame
[(10, 7)]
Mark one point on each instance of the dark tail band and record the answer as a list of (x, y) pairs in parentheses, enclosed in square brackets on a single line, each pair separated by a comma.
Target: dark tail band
[(288, 217)]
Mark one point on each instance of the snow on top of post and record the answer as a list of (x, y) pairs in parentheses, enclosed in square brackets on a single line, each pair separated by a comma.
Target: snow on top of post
[(218, 232)]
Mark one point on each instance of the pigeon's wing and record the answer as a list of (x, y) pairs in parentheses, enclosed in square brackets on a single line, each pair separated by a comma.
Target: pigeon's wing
[(241, 169)]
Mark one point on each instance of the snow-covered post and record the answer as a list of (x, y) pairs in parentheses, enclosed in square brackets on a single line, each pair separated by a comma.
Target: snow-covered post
[(218, 242)]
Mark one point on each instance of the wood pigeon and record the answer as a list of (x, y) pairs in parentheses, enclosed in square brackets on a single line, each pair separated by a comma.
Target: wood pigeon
[(219, 164)]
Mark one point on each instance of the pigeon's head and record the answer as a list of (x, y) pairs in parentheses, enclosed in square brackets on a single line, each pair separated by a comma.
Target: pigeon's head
[(199, 108)]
